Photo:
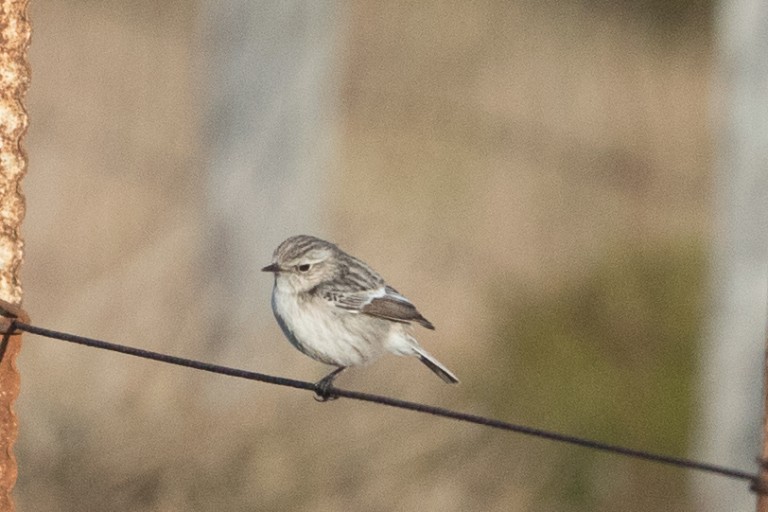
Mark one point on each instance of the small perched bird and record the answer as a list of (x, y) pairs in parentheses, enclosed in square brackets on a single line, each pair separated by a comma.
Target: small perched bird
[(339, 311)]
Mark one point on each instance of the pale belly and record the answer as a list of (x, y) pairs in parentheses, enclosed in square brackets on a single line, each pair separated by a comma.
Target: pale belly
[(331, 335)]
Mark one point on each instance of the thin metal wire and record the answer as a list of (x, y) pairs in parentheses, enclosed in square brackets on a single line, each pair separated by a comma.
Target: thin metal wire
[(6, 338), (400, 404)]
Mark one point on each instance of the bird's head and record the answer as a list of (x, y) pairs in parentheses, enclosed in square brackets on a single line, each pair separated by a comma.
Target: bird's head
[(303, 262)]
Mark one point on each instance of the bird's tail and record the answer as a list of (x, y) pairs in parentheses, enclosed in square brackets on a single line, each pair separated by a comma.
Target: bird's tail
[(435, 365)]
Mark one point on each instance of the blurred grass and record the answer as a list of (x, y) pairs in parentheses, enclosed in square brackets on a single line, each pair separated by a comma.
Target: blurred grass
[(544, 163), (668, 17), (611, 357), (477, 142)]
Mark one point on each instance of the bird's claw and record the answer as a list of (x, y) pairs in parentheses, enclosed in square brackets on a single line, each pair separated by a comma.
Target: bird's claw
[(324, 390)]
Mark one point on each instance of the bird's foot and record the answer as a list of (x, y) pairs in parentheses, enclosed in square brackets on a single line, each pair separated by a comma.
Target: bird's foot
[(324, 390)]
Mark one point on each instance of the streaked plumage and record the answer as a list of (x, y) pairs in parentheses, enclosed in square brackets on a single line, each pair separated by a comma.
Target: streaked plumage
[(337, 310)]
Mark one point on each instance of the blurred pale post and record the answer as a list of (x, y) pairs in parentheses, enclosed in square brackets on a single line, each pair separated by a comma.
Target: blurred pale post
[(733, 359), (762, 487), (269, 119), (14, 78)]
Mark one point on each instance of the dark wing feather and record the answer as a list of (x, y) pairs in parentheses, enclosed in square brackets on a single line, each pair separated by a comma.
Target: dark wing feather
[(394, 306), (396, 310), (384, 303)]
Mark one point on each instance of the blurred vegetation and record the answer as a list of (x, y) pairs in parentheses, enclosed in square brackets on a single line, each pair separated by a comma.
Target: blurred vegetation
[(476, 140), (611, 357), (668, 17)]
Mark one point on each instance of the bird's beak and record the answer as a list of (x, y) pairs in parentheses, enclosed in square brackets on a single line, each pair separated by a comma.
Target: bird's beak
[(274, 268)]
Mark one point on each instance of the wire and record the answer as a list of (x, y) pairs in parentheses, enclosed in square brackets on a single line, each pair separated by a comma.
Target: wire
[(334, 392)]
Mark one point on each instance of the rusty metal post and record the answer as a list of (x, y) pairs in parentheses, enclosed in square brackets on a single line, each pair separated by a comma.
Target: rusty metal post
[(14, 79)]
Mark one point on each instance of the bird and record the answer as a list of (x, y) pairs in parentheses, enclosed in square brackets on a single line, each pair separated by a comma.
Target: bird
[(337, 310)]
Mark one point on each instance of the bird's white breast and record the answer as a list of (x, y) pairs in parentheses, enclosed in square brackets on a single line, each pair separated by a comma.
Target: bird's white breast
[(325, 332)]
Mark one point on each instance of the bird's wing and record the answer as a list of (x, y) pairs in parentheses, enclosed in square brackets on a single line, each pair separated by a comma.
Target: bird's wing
[(384, 302)]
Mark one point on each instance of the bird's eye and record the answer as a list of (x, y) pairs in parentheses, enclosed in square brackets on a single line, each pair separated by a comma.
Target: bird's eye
[(303, 268)]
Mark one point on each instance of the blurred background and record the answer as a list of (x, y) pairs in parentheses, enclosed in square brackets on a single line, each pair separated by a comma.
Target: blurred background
[(565, 188)]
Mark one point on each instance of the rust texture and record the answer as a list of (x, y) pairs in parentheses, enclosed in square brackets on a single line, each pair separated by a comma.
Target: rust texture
[(14, 80)]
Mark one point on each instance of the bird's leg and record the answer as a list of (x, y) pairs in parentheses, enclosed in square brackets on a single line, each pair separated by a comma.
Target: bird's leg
[(324, 385)]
